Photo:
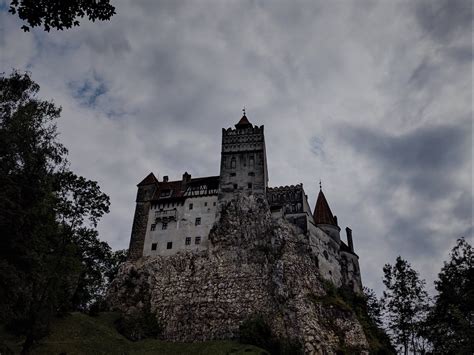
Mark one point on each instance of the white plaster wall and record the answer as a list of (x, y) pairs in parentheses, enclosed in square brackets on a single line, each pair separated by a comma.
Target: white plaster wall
[(329, 264), (183, 227)]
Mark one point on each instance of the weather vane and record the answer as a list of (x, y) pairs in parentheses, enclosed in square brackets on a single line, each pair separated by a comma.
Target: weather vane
[(320, 185), (243, 110)]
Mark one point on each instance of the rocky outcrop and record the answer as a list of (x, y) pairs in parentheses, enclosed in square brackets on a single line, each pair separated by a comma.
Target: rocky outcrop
[(255, 266)]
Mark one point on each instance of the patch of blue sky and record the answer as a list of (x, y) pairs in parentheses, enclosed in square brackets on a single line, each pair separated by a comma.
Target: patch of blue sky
[(87, 92)]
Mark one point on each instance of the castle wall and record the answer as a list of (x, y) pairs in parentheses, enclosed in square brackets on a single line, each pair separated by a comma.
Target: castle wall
[(327, 251), (180, 224), (350, 271)]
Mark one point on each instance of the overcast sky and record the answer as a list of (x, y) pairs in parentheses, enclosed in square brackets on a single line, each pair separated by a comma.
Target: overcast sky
[(372, 97)]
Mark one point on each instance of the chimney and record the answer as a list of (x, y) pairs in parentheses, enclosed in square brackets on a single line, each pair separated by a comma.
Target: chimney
[(186, 177), (165, 178), (350, 243)]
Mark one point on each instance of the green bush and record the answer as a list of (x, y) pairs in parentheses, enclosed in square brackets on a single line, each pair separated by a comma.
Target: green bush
[(138, 326), (256, 331)]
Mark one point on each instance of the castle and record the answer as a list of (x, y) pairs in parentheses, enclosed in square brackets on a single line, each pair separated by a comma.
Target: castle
[(177, 216)]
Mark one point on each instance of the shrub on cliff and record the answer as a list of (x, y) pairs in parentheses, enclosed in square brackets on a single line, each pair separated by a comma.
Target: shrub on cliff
[(138, 326), (256, 331)]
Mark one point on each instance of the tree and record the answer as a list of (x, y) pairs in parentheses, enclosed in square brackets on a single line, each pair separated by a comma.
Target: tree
[(374, 307), (451, 320), (60, 14), (48, 215), (404, 302)]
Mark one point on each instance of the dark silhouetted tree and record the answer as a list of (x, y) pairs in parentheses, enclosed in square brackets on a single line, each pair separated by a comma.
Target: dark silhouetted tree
[(49, 250), (404, 302), (450, 322), (60, 14)]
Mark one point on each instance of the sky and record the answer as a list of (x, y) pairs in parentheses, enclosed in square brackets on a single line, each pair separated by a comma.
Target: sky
[(373, 98)]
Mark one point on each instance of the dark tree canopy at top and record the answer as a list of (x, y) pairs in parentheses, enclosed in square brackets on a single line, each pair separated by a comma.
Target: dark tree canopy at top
[(60, 14)]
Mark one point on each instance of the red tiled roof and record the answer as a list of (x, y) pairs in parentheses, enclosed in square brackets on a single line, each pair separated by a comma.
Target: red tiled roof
[(149, 180), (176, 189), (244, 122), (322, 212)]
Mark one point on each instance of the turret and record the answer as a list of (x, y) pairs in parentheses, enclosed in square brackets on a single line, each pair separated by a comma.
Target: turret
[(324, 218), (145, 193)]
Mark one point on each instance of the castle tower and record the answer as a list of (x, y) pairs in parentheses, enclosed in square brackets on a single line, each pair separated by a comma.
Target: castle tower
[(324, 218), (243, 161), (146, 190)]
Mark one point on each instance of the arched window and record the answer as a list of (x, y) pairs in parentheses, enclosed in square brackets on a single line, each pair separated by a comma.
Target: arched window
[(233, 163)]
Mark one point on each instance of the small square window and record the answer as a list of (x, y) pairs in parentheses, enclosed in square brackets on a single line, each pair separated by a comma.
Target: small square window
[(249, 185), (164, 225), (190, 206), (232, 174), (205, 204), (235, 186), (153, 246), (197, 240), (153, 226), (198, 221), (214, 203), (251, 173), (187, 241), (169, 245)]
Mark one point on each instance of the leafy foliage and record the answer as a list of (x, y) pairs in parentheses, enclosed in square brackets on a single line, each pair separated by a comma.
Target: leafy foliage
[(50, 257), (405, 303), (451, 320), (60, 14), (138, 326), (257, 332)]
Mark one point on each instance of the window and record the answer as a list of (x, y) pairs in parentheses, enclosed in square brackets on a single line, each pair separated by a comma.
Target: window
[(252, 161), (153, 246), (165, 193), (235, 186), (197, 240), (187, 241), (205, 204), (190, 206), (169, 245), (153, 226), (198, 221), (164, 225), (251, 173), (249, 185), (214, 203), (232, 163), (232, 174)]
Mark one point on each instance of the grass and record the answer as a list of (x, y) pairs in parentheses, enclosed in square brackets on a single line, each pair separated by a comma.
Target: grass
[(83, 334)]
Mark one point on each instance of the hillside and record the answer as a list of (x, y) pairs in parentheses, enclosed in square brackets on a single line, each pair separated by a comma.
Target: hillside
[(82, 334)]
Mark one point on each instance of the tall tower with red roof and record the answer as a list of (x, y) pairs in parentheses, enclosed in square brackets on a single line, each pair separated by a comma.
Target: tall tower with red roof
[(243, 161)]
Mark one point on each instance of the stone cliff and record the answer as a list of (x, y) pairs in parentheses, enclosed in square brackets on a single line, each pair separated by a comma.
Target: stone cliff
[(256, 265)]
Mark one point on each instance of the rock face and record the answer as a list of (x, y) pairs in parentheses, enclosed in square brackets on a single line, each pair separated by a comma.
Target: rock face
[(256, 265)]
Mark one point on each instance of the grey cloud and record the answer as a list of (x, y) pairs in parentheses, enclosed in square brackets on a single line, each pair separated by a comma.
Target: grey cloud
[(425, 158), (444, 19)]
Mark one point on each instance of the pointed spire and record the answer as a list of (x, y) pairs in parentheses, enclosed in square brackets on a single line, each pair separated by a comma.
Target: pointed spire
[(244, 122), (322, 212)]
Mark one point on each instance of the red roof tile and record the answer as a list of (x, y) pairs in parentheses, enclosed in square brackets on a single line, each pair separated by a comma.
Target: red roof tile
[(244, 122), (149, 180), (322, 212)]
